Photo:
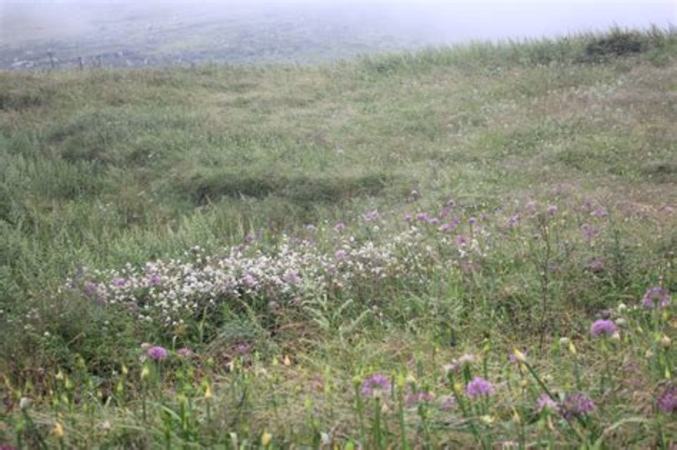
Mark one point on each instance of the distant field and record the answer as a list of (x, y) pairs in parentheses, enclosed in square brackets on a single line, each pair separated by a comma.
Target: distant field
[(329, 240)]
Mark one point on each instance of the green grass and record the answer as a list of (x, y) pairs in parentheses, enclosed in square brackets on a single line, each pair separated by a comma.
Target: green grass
[(103, 168)]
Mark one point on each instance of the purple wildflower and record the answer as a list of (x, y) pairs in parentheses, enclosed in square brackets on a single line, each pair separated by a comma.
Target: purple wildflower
[(7, 447), (154, 279), (447, 227), (292, 277), (249, 281), (667, 400), (371, 216), (656, 297), (599, 212), (461, 240), (531, 206), (408, 217), (90, 288), (157, 353), (589, 232), (423, 217), (119, 282), (595, 265), (472, 221), (552, 210), (603, 327), (545, 403), (375, 384), (577, 405), (340, 255), (478, 386), (513, 221), (414, 398), (340, 226)]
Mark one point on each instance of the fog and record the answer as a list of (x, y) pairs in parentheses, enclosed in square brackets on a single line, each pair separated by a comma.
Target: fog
[(292, 30)]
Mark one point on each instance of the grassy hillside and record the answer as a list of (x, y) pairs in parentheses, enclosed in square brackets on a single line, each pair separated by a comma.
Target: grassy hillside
[(301, 229)]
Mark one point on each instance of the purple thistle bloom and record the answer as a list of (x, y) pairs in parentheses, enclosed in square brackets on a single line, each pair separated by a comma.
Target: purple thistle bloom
[(119, 282), (408, 217), (340, 255), (577, 405), (472, 220), (603, 327), (423, 217), (656, 297), (552, 210), (461, 240), (415, 398), (545, 403), (589, 232), (375, 384), (157, 353), (513, 221), (154, 279), (447, 227), (667, 400), (478, 386), (340, 226), (90, 288)]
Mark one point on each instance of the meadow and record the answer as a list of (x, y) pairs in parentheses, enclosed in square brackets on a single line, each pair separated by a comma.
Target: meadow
[(467, 247)]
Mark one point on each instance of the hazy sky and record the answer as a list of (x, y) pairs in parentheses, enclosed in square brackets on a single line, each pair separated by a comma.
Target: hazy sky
[(435, 21)]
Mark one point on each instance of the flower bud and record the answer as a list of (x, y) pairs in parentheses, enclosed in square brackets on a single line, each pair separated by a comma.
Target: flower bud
[(519, 356), (266, 438), (57, 431), (25, 403)]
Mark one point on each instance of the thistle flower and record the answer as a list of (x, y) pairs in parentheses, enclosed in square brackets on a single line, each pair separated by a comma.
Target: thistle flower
[(414, 398), (603, 327), (546, 404), (667, 400), (478, 386), (656, 297), (157, 353), (375, 385), (423, 217), (513, 221), (577, 405), (551, 210), (589, 232)]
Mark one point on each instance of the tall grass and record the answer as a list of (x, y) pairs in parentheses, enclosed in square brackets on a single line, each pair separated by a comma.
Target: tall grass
[(333, 255)]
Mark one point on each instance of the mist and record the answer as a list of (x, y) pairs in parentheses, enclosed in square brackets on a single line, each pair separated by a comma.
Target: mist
[(166, 32)]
